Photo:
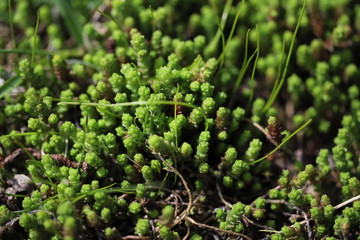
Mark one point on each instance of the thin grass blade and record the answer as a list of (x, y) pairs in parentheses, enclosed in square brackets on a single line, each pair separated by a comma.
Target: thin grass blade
[(161, 102), (243, 67), (212, 46), (109, 17), (34, 45), (221, 25), (254, 68), (69, 15), (240, 77), (222, 56), (10, 85), (11, 25), (274, 95), (282, 143)]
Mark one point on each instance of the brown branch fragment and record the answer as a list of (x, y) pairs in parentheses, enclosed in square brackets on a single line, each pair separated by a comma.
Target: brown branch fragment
[(216, 229), (303, 213), (347, 202), (58, 158), (268, 136), (187, 210), (258, 126), (135, 237)]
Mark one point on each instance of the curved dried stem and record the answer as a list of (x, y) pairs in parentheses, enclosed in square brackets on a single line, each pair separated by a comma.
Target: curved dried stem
[(216, 229), (256, 224), (187, 210), (347, 202), (258, 126), (222, 198), (128, 237), (188, 229), (303, 213)]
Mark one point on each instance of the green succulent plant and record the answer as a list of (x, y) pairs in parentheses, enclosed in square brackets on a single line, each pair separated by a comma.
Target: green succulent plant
[(177, 119)]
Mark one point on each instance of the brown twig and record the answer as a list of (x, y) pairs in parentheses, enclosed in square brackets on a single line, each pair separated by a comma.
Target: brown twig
[(308, 227), (268, 136), (216, 229), (347, 202), (188, 229), (163, 202), (13, 155), (222, 198), (135, 237), (275, 201), (303, 213), (187, 210), (176, 205), (58, 158), (10, 224), (258, 126), (256, 224), (195, 203)]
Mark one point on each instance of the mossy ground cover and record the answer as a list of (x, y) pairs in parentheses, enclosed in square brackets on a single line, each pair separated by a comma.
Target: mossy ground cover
[(179, 119)]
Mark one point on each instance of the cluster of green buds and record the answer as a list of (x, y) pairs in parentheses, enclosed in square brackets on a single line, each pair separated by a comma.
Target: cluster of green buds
[(145, 99)]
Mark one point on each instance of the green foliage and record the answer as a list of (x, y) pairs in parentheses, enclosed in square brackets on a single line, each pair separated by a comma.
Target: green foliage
[(142, 227), (137, 114)]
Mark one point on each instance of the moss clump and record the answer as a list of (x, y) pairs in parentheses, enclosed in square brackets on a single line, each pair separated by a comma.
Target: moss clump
[(142, 118)]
